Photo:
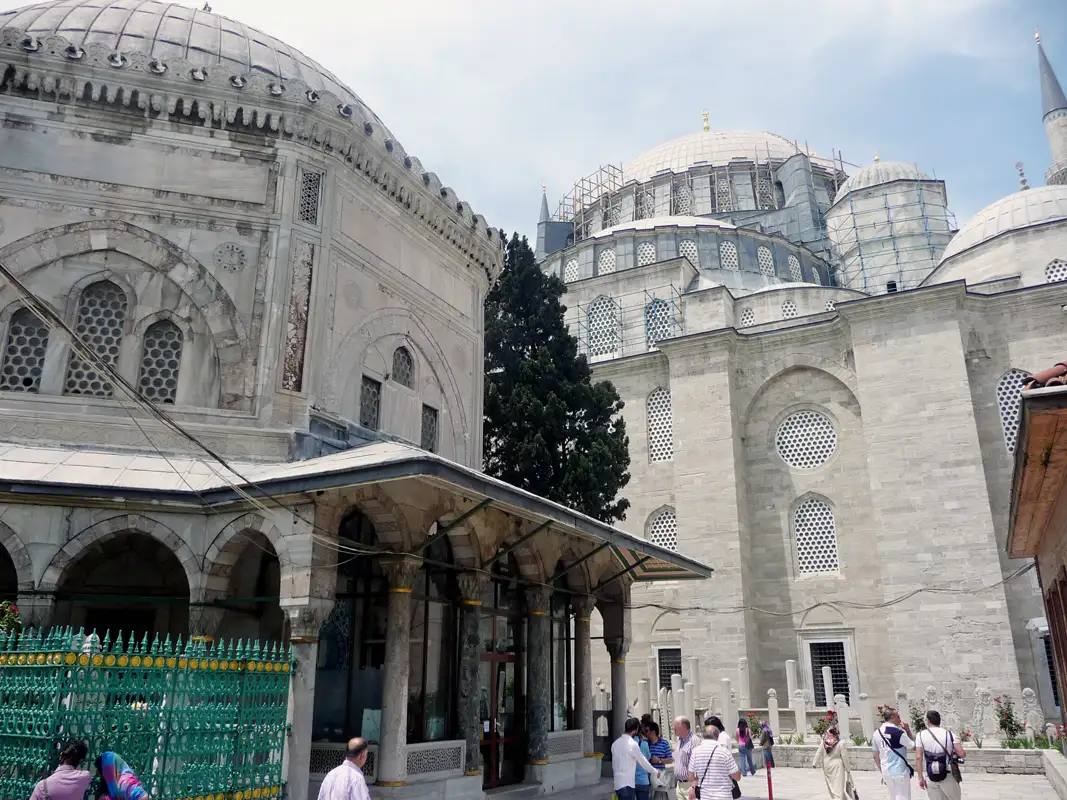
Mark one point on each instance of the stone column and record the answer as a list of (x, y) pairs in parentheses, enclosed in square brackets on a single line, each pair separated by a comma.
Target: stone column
[(772, 712), (791, 681), (391, 767), (828, 688), (538, 690), (204, 622), (305, 620), (471, 585), (36, 610), (583, 672), (617, 649)]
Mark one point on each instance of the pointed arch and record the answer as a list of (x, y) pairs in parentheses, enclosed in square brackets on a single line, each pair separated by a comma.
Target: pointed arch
[(660, 421), (661, 527), (228, 545), (813, 525), (20, 557)]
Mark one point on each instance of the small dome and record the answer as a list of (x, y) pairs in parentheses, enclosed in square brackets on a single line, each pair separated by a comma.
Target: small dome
[(878, 173), (713, 148), (1026, 209)]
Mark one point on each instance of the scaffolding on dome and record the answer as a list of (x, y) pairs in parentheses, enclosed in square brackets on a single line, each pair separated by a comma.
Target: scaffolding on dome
[(615, 326)]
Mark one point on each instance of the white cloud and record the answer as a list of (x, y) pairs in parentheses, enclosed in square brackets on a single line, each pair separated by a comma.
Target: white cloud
[(497, 96)]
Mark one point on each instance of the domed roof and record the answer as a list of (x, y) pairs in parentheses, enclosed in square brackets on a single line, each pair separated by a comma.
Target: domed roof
[(168, 31), (1024, 209), (707, 148), (878, 173)]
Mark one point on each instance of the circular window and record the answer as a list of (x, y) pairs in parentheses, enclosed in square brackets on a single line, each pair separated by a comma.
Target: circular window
[(806, 439), (747, 317)]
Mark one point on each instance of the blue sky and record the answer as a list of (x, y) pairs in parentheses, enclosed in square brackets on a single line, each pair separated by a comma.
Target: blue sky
[(496, 96)]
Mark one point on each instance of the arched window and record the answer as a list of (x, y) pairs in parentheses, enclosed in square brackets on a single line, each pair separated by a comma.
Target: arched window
[(27, 342), (687, 248), (1056, 271), (605, 262), (660, 426), (403, 367), (663, 529), (161, 356), (657, 322), (779, 193), (815, 274), (794, 269), (431, 669), (646, 253), (570, 270), (1009, 403), (748, 317), (815, 536), (602, 322), (101, 315), (789, 309), (683, 198), (646, 205), (728, 255), (723, 194), (766, 260)]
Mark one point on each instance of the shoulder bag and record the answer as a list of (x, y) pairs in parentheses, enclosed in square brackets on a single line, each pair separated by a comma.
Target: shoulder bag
[(889, 747)]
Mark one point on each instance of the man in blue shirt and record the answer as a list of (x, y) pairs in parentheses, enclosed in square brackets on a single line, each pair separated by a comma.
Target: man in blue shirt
[(659, 747), (642, 784)]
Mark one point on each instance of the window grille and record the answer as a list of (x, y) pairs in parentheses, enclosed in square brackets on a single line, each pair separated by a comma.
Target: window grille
[(1009, 402), (794, 269), (830, 306), (663, 530), (815, 274), (832, 655), (1050, 659), (765, 193), (101, 314), (161, 356), (403, 368), (687, 249), (657, 322), (646, 253), (603, 327), (1056, 271), (646, 205), (748, 317), (816, 537), (806, 439), (310, 195), (766, 260), (429, 429), (789, 309), (27, 342), (728, 255), (683, 200), (660, 426), (570, 270), (370, 403), (614, 216), (723, 197), (605, 262), (669, 661)]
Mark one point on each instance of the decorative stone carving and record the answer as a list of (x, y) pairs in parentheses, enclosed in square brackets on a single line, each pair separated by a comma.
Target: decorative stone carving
[(930, 699), (471, 585), (983, 699), (231, 257), (303, 262), (306, 617), (401, 572), (583, 606), (1033, 716), (538, 599), (950, 715)]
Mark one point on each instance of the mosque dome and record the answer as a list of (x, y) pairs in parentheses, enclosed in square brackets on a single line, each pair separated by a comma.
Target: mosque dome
[(1016, 212), (713, 148), (878, 173), (171, 31)]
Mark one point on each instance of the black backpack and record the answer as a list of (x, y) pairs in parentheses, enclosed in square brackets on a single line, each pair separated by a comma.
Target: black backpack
[(937, 766)]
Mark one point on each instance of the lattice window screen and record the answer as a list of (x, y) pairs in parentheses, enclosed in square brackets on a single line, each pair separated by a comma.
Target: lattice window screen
[(728, 255), (806, 439), (683, 200), (723, 194), (646, 205), (310, 194), (830, 306), (660, 426), (657, 322), (789, 309), (687, 248), (403, 367), (669, 662), (161, 357), (570, 270), (816, 274), (370, 403), (832, 655), (794, 269), (605, 262), (1056, 271), (815, 534), (748, 317), (766, 260), (603, 327), (1009, 402), (101, 314), (663, 530), (765, 193), (429, 429), (646, 253), (27, 342)]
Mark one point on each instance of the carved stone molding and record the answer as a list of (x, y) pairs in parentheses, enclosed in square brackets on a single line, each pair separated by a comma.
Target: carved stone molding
[(303, 264), (471, 585), (401, 572), (539, 599)]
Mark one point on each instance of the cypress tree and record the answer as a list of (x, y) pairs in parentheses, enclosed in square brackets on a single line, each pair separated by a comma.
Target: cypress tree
[(549, 428)]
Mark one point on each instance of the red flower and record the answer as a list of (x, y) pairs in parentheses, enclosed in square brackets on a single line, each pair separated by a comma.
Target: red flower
[(14, 609)]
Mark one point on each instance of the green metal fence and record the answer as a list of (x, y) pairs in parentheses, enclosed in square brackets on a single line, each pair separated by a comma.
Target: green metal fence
[(195, 720)]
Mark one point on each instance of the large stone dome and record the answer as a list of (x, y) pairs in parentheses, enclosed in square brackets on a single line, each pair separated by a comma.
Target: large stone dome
[(878, 173), (166, 31), (1029, 208), (713, 148)]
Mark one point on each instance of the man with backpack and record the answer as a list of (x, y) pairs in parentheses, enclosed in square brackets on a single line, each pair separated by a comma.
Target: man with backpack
[(891, 743), (939, 752)]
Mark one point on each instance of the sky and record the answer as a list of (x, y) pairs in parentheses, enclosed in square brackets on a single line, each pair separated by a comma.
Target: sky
[(498, 96)]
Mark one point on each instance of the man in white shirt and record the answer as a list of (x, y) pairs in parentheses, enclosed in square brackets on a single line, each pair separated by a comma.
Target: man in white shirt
[(346, 782), (891, 743), (724, 738), (934, 748), (713, 768), (626, 757)]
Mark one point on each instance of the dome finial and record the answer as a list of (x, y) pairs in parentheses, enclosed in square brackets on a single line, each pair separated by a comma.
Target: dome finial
[(1037, 35), (544, 188), (707, 127), (1023, 185), (877, 159)]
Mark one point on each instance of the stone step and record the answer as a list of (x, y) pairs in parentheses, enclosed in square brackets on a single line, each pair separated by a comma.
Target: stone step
[(519, 791)]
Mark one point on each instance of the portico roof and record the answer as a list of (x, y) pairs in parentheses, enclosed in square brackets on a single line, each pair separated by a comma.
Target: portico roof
[(1038, 499), (30, 473)]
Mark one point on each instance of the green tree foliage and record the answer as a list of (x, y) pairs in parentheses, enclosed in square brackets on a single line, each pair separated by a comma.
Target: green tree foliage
[(549, 428)]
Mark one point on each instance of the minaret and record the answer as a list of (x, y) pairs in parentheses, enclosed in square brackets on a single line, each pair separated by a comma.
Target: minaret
[(540, 251), (1054, 109)]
